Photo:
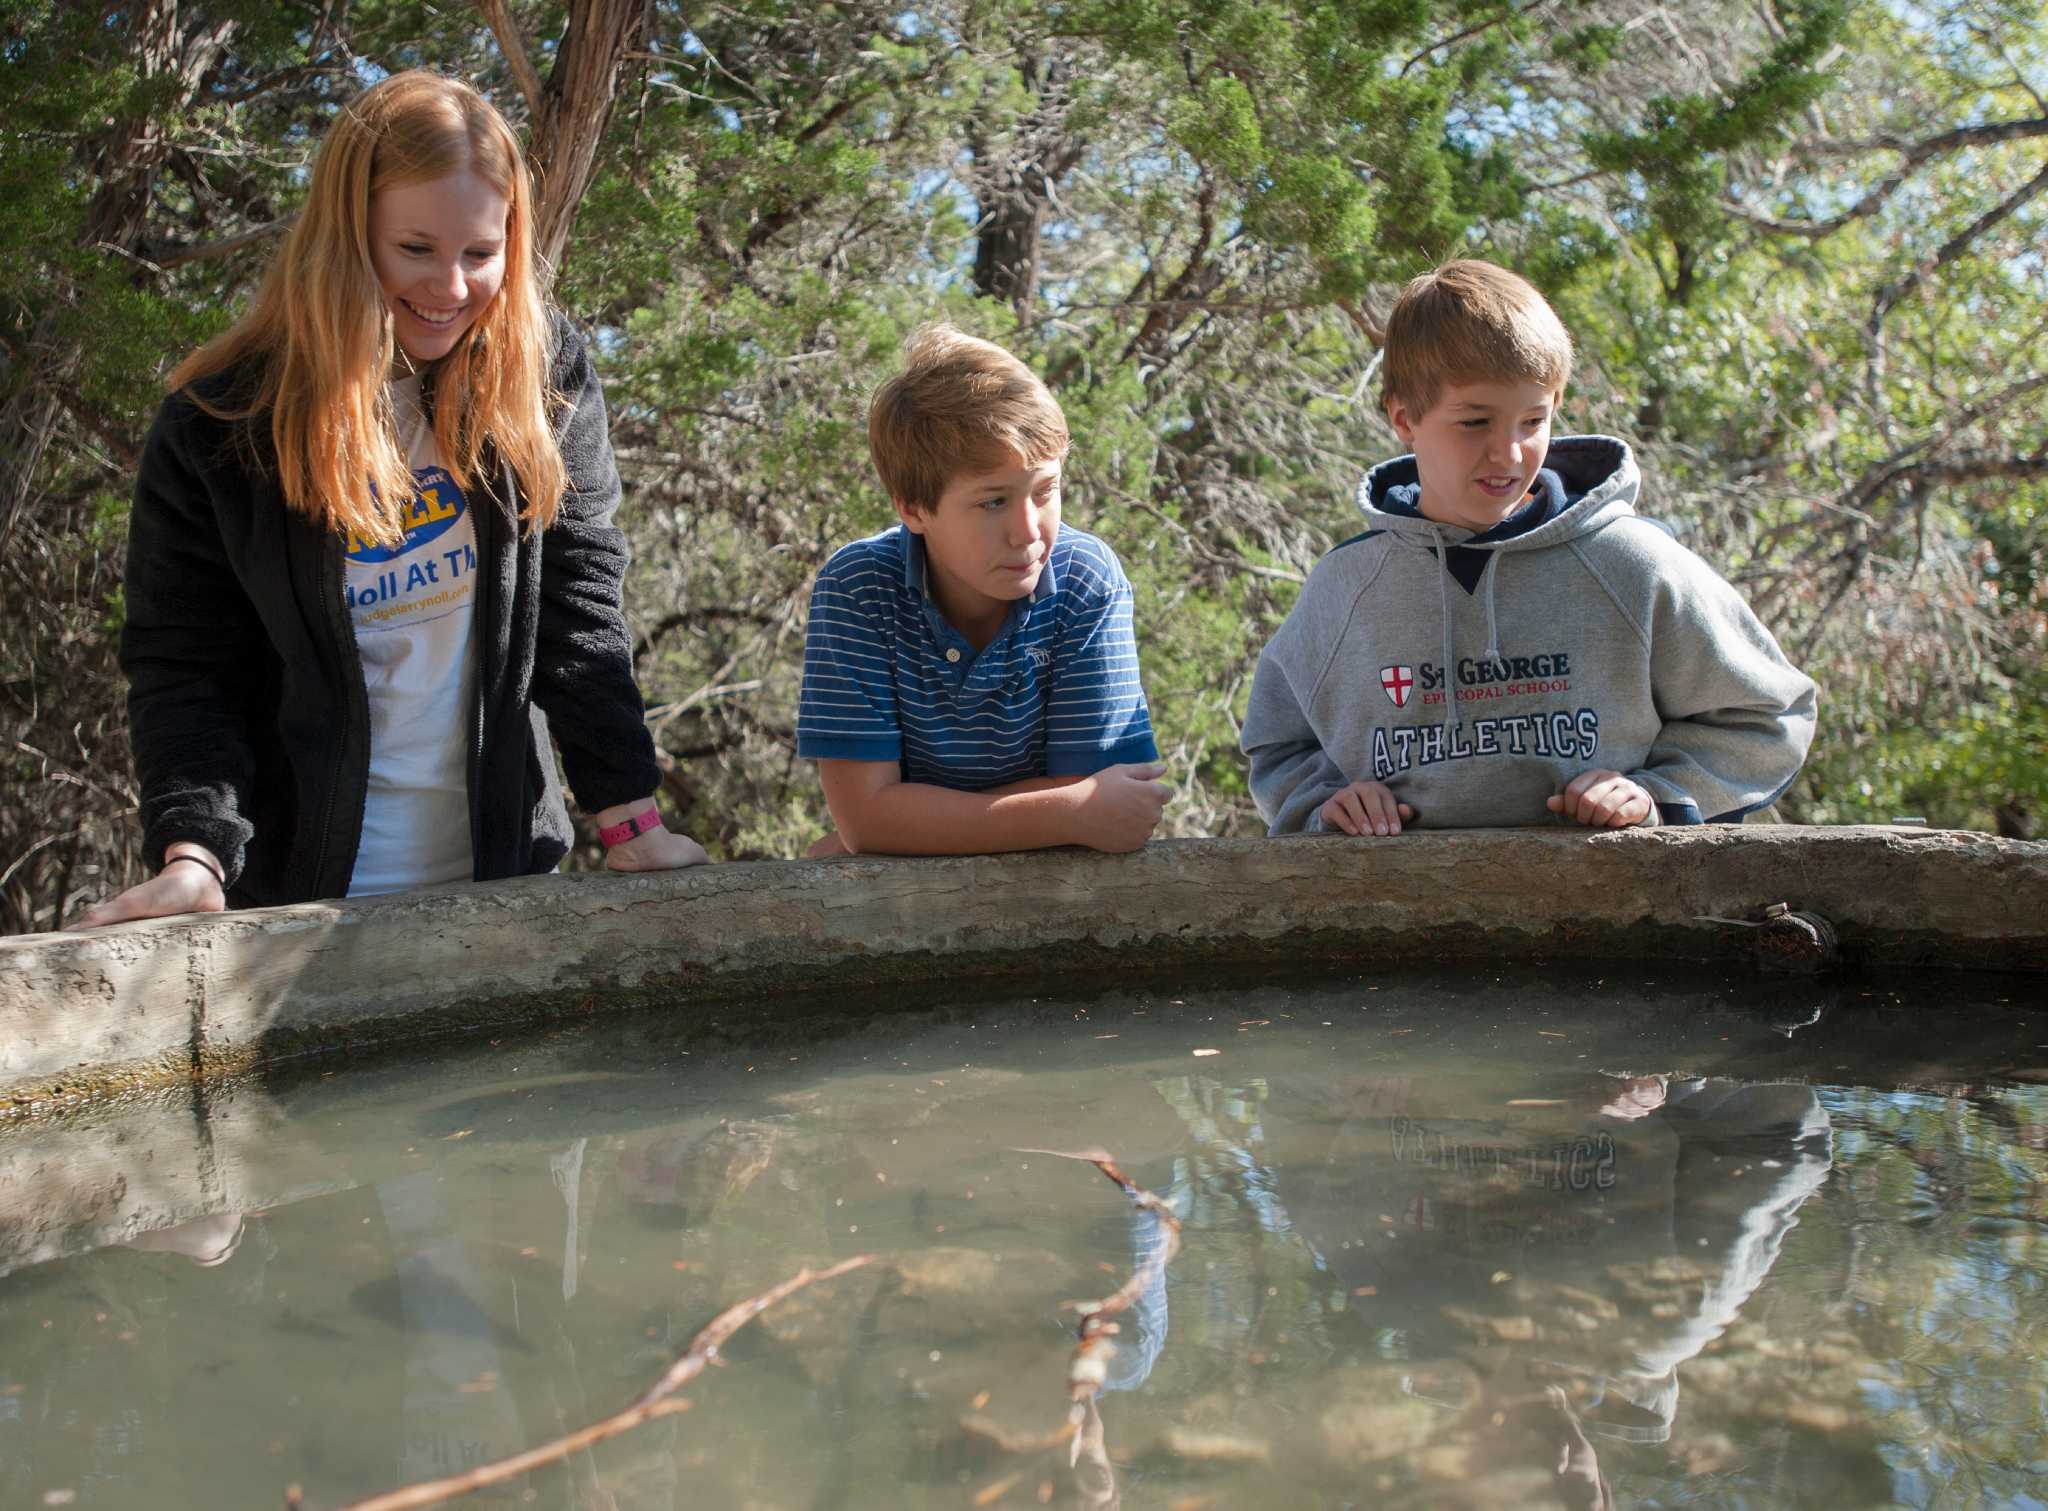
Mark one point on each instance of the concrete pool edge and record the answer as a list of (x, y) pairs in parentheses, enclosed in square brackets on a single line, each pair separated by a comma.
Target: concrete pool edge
[(139, 1005)]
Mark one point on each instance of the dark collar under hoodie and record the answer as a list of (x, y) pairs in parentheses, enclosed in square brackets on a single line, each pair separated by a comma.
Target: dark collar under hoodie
[(1546, 500)]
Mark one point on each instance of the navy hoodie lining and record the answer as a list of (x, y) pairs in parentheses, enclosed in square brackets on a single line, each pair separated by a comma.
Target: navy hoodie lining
[(1547, 500)]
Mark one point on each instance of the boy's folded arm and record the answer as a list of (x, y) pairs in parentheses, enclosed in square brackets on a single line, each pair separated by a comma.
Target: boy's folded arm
[(1292, 776), (1738, 716), (1033, 784), (1716, 767), (878, 813), (1290, 785)]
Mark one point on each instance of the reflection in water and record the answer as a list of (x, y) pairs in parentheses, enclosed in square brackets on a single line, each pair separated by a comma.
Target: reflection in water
[(1689, 1185), (452, 1353), (1434, 1256), (206, 1241), (1450, 1227)]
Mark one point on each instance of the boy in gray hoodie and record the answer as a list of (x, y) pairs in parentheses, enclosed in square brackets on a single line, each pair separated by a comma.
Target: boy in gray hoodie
[(1508, 642)]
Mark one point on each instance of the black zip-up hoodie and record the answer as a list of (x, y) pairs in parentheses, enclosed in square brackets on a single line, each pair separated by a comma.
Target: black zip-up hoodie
[(246, 704)]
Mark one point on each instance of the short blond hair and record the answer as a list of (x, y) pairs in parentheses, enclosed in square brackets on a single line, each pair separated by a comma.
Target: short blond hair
[(1471, 322), (959, 403)]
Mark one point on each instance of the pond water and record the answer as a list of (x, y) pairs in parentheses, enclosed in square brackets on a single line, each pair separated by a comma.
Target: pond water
[(1474, 1239)]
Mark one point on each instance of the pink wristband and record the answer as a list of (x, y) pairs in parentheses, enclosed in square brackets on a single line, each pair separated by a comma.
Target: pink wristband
[(630, 828)]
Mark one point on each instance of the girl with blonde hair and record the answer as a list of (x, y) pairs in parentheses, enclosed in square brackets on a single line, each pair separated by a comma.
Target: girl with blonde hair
[(371, 561)]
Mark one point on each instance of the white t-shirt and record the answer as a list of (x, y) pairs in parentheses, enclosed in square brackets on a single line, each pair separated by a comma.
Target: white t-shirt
[(414, 605)]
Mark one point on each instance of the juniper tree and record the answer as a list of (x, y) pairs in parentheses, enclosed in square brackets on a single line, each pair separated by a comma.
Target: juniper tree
[(1798, 245)]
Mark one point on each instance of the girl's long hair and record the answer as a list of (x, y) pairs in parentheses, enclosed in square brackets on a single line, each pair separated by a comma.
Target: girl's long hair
[(318, 342)]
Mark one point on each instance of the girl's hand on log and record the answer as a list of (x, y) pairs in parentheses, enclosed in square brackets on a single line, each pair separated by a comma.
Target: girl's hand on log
[(654, 850), (188, 883)]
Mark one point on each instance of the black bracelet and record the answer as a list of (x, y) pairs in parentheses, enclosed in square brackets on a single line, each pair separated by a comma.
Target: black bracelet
[(198, 860)]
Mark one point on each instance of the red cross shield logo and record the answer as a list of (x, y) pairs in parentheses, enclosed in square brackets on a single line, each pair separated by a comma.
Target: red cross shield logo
[(1397, 680)]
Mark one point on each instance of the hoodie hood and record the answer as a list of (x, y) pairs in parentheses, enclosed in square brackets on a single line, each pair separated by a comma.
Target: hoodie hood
[(1598, 474)]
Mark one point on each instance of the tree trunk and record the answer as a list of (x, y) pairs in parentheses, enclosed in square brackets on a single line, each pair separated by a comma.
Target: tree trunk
[(1015, 181), (575, 107)]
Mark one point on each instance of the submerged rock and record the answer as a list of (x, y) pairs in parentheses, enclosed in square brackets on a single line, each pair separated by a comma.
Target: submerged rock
[(1483, 1325), (1375, 1418), (954, 1292), (1191, 1446)]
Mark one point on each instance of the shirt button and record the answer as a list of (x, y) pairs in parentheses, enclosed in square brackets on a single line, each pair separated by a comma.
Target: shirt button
[(953, 654)]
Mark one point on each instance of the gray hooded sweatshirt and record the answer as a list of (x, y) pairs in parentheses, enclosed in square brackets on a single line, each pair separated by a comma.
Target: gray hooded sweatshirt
[(1592, 640)]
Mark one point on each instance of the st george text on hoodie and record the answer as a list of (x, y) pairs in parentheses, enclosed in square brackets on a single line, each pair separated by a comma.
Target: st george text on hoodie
[(1475, 674)]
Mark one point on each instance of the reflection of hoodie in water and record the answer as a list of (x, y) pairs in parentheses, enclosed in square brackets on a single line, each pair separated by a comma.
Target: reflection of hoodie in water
[(1577, 636), (1712, 1180), (1748, 1157)]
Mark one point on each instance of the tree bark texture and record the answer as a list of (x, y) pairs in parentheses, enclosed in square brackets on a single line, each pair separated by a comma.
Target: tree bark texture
[(575, 108), (1015, 181)]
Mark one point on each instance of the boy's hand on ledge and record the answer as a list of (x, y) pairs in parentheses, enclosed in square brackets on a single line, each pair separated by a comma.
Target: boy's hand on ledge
[(1602, 800), (1366, 808), (1636, 1097), (176, 889), (1120, 806), (826, 848)]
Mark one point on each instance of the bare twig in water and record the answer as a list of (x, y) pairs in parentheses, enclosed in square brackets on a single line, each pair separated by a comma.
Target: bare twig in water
[(704, 1347), (1089, 1367), (1003, 1440), (703, 1350), (1088, 1370)]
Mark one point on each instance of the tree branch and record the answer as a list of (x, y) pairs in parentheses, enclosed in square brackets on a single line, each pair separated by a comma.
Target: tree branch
[(702, 1351), (1898, 288), (1196, 280), (575, 108), (1960, 467), (1196, 546), (1912, 155), (1369, 325), (1987, 134), (1815, 230), (513, 45), (1471, 31), (175, 256), (313, 68), (73, 403), (1962, 419), (668, 623)]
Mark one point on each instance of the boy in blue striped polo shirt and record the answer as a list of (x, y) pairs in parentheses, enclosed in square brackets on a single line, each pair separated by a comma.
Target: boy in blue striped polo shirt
[(970, 677)]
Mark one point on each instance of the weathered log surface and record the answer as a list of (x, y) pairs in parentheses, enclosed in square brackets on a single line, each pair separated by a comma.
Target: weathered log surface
[(153, 1003)]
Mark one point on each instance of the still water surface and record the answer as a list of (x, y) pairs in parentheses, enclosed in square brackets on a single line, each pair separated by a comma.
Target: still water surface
[(1473, 1240)]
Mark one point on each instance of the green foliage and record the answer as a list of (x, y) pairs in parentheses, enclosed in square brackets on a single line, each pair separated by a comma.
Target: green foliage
[(1588, 49), (1219, 126), (1203, 209), (1993, 755), (1678, 150)]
